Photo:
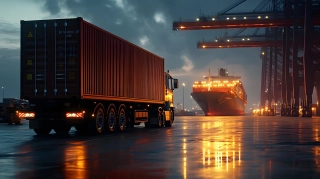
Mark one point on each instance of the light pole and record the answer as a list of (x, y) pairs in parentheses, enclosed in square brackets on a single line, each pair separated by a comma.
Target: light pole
[(183, 95), (2, 94), (191, 103)]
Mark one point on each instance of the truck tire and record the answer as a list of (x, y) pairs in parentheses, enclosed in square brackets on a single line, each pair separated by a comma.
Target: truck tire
[(42, 131), (161, 119), (169, 123), (99, 120), (111, 119), (63, 129), (122, 119)]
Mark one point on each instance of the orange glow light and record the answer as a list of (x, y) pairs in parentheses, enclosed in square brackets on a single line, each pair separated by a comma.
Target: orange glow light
[(74, 115), (26, 115)]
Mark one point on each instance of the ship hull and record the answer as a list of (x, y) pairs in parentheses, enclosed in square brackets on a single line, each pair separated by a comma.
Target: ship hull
[(219, 103)]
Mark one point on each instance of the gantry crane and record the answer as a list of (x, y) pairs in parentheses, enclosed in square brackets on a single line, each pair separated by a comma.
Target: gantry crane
[(288, 16)]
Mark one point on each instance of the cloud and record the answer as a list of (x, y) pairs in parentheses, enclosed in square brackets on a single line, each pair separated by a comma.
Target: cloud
[(159, 18), (144, 40), (118, 21), (119, 3), (57, 8), (9, 35), (52, 6), (126, 8), (187, 63)]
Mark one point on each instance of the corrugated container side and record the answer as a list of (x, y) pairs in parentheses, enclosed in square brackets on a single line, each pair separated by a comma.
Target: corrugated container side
[(113, 68)]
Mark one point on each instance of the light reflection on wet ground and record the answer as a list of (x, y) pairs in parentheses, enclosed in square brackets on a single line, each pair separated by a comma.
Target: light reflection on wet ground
[(195, 147)]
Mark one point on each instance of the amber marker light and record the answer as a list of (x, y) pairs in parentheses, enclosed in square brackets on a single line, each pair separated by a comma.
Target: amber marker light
[(75, 114), (26, 115)]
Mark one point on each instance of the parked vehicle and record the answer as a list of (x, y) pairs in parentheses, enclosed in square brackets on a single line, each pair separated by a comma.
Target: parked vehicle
[(76, 74), (9, 110)]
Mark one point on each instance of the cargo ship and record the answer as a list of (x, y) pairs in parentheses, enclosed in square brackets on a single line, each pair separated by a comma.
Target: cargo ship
[(221, 95)]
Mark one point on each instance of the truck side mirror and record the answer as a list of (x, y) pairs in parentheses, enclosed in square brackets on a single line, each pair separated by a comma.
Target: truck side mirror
[(175, 83)]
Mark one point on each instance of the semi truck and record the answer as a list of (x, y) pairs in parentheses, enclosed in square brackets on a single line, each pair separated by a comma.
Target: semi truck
[(74, 73)]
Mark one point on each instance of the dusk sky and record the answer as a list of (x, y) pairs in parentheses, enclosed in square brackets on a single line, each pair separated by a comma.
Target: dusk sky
[(146, 23)]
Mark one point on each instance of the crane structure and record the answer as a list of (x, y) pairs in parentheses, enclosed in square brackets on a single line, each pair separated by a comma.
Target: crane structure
[(289, 50), (251, 41)]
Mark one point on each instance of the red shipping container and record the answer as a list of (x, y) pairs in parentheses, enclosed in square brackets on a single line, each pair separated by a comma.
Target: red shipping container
[(71, 58)]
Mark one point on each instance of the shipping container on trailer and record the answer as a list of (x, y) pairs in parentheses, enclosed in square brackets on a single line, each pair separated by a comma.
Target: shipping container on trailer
[(76, 74)]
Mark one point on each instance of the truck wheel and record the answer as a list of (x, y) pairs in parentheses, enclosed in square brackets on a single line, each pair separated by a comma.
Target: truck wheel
[(63, 129), (111, 120), (122, 119), (42, 131), (160, 120), (99, 120), (169, 123)]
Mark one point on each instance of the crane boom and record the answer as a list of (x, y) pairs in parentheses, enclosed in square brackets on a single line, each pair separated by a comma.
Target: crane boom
[(230, 7)]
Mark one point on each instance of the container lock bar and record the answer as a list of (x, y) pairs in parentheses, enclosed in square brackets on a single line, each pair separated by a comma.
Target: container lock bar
[(55, 58), (45, 58), (65, 58), (35, 58)]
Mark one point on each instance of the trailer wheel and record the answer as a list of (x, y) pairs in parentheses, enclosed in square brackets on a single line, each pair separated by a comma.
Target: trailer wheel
[(111, 120), (122, 119), (169, 123), (42, 131), (63, 129), (99, 120)]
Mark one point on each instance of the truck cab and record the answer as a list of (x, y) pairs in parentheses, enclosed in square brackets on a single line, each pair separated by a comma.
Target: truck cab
[(170, 85)]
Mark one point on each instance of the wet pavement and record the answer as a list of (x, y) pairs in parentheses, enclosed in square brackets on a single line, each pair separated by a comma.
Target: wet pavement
[(195, 147)]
